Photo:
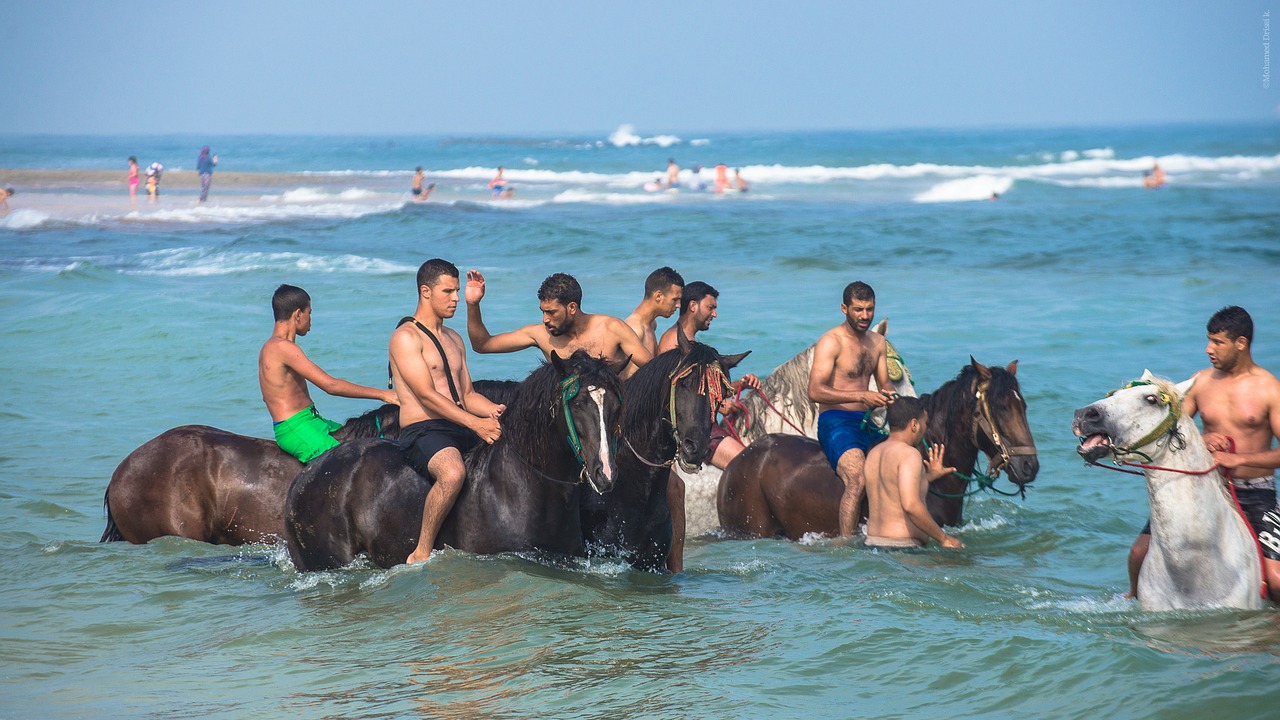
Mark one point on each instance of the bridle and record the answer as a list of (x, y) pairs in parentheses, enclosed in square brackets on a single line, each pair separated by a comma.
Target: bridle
[(985, 422), (712, 383), (569, 388)]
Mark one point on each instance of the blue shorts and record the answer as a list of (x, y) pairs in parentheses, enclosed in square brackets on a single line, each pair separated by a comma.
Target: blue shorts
[(840, 431)]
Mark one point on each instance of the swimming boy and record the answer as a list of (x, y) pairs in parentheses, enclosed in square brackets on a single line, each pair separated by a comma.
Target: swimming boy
[(898, 480), (283, 372)]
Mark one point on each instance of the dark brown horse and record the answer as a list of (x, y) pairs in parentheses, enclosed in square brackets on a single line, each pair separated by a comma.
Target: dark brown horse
[(521, 493), (666, 420), (782, 485), (207, 484)]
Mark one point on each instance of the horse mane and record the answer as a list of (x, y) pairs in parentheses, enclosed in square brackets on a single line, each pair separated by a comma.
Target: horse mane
[(535, 402), (648, 389), (951, 400), (382, 421)]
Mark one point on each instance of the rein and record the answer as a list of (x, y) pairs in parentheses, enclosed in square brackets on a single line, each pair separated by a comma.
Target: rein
[(713, 384)]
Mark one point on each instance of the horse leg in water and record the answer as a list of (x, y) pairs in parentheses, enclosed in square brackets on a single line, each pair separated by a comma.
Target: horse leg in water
[(360, 497), (780, 485)]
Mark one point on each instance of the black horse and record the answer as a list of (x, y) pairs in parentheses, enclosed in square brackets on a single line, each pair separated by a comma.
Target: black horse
[(521, 493), (783, 484), (211, 485), (666, 419)]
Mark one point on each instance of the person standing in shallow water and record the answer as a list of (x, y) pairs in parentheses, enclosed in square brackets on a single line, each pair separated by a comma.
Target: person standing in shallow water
[(204, 167), (441, 414), (133, 181), (283, 372)]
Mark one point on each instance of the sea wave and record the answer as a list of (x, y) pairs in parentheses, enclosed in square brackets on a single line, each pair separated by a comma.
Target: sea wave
[(193, 261), (625, 136), (235, 214), (979, 187), (24, 219)]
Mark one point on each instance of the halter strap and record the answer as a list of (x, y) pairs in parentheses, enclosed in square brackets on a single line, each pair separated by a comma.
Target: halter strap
[(1166, 426), (986, 422)]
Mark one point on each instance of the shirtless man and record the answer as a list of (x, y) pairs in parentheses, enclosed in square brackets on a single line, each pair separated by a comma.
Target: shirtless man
[(1236, 400), (673, 173), (441, 414), (698, 307), (844, 360), (5, 194), (564, 327), (420, 193), (662, 291), (499, 187), (283, 372), (898, 480), (1154, 178)]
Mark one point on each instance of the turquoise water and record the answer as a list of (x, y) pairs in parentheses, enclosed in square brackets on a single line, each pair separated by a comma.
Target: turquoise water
[(121, 323)]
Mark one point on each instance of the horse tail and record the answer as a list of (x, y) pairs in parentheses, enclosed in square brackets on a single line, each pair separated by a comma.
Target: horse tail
[(112, 533)]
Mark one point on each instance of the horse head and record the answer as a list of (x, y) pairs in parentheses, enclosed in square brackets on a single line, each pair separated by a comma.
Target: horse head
[(1000, 422), (699, 381), (1131, 420), (590, 408)]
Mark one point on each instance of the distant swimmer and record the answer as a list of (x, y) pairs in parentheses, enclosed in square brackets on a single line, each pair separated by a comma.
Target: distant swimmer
[(722, 178), (499, 187), (653, 185), (898, 480), (737, 179), (695, 179), (994, 196), (133, 180), (1154, 178), (5, 194), (421, 193), (673, 173)]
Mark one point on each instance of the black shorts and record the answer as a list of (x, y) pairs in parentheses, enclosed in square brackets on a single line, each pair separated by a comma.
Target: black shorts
[(1259, 506), (422, 440)]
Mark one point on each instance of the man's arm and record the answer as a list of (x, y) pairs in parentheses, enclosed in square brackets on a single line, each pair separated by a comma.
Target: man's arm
[(295, 359), (406, 352), (821, 389), (668, 341), (475, 403), (883, 383), (630, 343), (914, 508), (481, 340)]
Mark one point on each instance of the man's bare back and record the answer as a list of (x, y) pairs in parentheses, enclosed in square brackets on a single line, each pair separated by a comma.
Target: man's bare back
[(897, 483)]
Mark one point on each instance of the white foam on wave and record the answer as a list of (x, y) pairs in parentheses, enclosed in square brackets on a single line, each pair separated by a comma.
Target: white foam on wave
[(263, 213), (979, 187), (585, 196), (178, 262), (23, 218), (986, 524), (625, 136), (314, 195)]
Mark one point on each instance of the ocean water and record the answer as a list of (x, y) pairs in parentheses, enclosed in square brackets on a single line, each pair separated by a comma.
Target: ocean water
[(118, 323)]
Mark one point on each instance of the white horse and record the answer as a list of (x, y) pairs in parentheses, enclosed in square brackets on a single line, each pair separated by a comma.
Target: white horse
[(787, 388), (1202, 554)]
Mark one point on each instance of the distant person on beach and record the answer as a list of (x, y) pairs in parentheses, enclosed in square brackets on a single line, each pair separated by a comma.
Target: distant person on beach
[(662, 291), (673, 173), (698, 307), (283, 373), (204, 168), (564, 328), (5, 194), (154, 171), (1239, 406), (1154, 178), (441, 414), (133, 180), (722, 178), (420, 193), (898, 481), (845, 359), (499, 187), (737, 179)]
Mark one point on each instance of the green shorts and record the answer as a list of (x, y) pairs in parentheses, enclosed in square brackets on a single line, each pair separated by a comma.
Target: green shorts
[(306, 435)]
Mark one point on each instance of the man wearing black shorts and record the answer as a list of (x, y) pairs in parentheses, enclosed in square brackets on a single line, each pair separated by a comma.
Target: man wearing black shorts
[(441, 414)]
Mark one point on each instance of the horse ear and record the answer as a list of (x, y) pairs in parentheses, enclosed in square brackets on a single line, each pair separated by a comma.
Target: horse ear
[(1184, 387), (1146, 375), (682, 341), (1012, 368), (558, 362), (882, 328), (983, 371), (731, 361)]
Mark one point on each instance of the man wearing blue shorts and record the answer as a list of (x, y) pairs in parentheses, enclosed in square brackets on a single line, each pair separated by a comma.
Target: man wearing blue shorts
[(845, 359)]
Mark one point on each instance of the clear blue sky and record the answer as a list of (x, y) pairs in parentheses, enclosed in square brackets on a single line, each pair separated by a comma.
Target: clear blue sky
[(176, 66)]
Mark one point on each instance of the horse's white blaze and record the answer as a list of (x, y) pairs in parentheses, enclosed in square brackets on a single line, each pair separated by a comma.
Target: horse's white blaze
[(597, 395)]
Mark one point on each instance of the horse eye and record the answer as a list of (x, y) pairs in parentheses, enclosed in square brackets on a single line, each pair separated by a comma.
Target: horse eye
[(1151, 399)]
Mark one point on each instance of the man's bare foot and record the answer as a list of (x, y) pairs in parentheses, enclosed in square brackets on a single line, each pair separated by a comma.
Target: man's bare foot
[(418, 556)]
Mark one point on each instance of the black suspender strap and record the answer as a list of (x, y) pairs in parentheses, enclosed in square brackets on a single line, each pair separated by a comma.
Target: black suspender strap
[(444, 359)]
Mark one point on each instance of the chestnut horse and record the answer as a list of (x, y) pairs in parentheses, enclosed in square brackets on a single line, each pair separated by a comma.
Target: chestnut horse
[(211, 485), (782, 485)]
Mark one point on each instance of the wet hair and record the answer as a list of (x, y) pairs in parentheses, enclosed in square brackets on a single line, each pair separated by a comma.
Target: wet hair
[(1234, 321), (859, 290), (695, 292), (287, 299), (562, 288), (9, 190), (661, 279), (903, 410), (418, 169), (133, 159), (431, 270)]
